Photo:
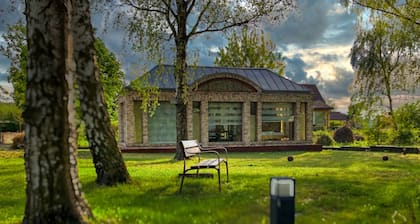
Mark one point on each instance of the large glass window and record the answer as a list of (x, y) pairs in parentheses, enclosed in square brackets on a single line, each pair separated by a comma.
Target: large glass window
[(253, 122), (319, 120), (277, 122), (225, 122), (197, 120), (162, 125)]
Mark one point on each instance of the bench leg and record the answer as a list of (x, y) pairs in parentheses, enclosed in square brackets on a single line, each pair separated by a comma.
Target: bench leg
[(182, 182)]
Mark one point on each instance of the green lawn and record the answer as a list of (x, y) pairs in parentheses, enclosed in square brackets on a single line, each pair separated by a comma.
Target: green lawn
[(331, 187)]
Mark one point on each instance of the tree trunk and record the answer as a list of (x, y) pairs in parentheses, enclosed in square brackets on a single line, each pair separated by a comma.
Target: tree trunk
[(181, 41), (107, 158), (53, 191)]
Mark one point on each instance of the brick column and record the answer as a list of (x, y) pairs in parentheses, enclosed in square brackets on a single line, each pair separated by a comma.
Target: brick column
[(309, 124), (145, 127), (130, 135), (246, 111), (122, 122), (297, 126), (259, 121), (190, 120)]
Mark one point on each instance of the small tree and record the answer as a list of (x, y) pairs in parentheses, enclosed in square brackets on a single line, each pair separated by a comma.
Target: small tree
[(250, 50)]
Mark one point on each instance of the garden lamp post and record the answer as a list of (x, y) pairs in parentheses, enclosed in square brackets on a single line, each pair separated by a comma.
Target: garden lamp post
[(282, 200)]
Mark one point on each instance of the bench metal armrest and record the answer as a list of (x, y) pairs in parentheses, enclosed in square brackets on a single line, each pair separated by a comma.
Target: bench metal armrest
[(214, 149), (208, 151)]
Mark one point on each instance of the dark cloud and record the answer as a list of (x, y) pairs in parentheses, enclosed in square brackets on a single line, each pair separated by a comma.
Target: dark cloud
[(295, 70), (304, 27), (315, 22), (340, 86)]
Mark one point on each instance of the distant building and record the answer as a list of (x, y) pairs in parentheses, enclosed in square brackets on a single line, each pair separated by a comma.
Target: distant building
[(229, 106), (321, 110), (338, 119)]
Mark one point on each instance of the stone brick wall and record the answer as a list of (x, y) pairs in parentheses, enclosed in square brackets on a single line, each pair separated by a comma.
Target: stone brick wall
[(127, 127)]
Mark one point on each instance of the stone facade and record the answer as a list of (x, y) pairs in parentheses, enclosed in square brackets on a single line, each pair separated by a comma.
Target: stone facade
[(220, 88)]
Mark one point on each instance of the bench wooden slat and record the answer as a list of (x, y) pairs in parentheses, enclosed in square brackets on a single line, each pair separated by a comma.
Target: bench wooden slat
[(210, 163)]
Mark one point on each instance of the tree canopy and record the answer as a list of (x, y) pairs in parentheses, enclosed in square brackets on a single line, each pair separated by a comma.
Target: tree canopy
[(111, 75), (385, 53), (17, 51), (250, 49)]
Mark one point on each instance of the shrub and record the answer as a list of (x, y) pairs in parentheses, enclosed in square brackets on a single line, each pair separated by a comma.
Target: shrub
[(18, 142), (324, 139), (343, 135), (405, 137)]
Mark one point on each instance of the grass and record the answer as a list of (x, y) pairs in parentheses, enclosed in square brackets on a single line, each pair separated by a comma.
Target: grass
[(331, 187)]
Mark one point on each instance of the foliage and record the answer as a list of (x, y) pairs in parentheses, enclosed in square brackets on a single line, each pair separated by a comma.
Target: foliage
[(408, 120), (112, 77), (380, 131), (250, 50), (382, 65), (148, 93), (343, 135), (332, 187), (11, 115), (385, 53), (325, 139), (406, 11), (17, 51)]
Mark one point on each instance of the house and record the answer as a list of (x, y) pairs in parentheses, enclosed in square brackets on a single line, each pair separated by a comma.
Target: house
[(229, 106), (338, 119), (321, 110)]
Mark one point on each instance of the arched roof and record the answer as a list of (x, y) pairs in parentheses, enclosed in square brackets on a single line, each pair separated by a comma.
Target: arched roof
[(261, 79)]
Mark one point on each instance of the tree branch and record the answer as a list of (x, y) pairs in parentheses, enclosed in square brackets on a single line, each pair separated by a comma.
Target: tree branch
[(144, 9), (223, 28), (396, 13), (200, 16)]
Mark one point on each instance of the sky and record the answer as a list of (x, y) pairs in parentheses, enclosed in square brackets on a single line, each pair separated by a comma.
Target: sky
[(315, 40)]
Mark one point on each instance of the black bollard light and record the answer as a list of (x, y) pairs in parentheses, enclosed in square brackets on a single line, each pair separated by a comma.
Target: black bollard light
[(282, 200)]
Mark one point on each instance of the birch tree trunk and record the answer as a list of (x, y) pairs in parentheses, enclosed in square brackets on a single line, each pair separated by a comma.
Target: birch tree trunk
[(181, 41), (107, 158), (53, 191)]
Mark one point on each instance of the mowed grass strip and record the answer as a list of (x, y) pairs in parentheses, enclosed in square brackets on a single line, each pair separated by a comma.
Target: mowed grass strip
[(331, 187)]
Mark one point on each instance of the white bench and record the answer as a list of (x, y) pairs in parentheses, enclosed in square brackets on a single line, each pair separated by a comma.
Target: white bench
[(191, 148)]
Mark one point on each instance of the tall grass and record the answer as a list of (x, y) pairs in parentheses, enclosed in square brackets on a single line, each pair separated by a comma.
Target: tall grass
[(331, 187)]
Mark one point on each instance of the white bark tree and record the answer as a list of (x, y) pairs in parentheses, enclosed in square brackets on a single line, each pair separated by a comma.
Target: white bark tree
[(107, 158), (53, 191)]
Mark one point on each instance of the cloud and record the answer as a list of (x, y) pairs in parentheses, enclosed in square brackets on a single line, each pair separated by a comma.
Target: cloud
[(315, 41)]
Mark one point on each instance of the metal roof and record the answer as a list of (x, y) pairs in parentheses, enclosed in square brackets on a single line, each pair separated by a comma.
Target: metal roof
[(162, 77), (318, 100)]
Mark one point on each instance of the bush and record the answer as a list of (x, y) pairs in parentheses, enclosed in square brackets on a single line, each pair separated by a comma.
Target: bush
[(325, 139), (18, 142), (406, 137), (343, 135)]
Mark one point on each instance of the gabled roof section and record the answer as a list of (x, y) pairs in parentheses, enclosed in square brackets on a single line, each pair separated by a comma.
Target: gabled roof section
[(335, 115), (319, 102), (268, 81)]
